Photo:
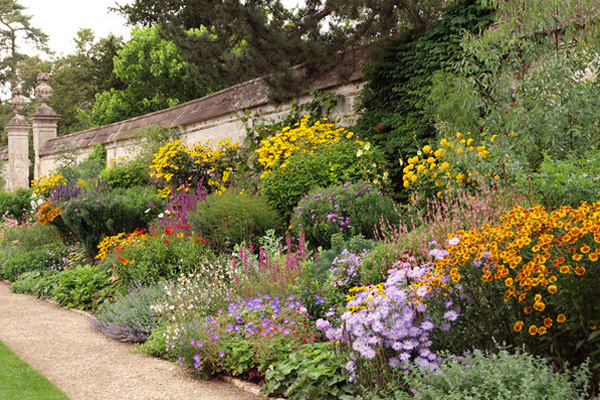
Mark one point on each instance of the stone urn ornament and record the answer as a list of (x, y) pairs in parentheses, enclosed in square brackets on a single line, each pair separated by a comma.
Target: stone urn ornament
[(18, 104), (44, 93)]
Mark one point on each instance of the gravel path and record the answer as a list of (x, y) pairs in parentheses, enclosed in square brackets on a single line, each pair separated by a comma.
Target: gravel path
[(86, 365)]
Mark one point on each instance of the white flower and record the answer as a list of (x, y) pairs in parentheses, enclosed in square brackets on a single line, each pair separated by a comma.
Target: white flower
[(359, 153), (161, 215), (147, 211)]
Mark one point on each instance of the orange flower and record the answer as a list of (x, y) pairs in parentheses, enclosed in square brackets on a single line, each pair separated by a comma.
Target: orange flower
[(565, 269), (533, 330), (552, 289), (593, 256), (539, 306), (577, 256), (541, 330), (518, 326), (579, 270), (509, 281), (560, 318), (585, 249), (548, 322)]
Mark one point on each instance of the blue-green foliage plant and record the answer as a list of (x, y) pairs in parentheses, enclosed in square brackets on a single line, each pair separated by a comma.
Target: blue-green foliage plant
[(566, 182), (479, 376), (130, 317), (348, 209)]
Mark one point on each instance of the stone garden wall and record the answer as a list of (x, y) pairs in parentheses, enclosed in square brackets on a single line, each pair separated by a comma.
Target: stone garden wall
[(209, 118)]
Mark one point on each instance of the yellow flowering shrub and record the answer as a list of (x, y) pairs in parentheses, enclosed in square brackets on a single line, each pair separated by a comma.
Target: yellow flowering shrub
[(118, 242), (299, 138), (457, 162), (43, 185), (538, 271), (177, 166)]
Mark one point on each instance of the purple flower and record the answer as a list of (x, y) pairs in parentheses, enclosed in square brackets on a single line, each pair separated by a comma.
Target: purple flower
[(451, 315)]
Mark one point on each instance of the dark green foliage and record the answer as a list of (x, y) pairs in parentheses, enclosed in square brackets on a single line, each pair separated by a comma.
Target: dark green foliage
[(127, 175), (129, 317), (232, 218), (23, 261), (79, 287), (225, 41), (392, 105), (17, 204), (156, 345), (349, 209), (95, 215), (311, 373), (328, 165)]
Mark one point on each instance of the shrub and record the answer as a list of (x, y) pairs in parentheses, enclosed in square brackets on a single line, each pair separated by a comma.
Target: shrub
[(232, 218), (130, 317), (335, 164), (82, 286), (152, 257), (302, 138), (313, 372), (475, 376), (87, 169), (95, 215), (17, 204), (349, 209), (177, 164), (126, 175)]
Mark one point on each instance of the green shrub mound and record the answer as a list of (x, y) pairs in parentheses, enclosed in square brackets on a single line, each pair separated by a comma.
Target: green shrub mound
[(348, 209), (127, 175), (232, 218), (15, 205), (344, 161)]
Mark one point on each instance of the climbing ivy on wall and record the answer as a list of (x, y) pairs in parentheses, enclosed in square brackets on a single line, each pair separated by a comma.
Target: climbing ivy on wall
[(392, 107)]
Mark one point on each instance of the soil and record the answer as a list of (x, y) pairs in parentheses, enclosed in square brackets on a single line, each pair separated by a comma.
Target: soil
[(86, 365)]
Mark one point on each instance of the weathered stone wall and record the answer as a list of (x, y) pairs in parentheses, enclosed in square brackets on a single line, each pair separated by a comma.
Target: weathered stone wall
[(209, 118)]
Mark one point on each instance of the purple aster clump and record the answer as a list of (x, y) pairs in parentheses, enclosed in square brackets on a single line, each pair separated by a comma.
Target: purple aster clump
[(390, 322), (346, 267)]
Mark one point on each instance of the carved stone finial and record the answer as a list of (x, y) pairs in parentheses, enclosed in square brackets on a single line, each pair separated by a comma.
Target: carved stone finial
[(43, 92), (18, 102)]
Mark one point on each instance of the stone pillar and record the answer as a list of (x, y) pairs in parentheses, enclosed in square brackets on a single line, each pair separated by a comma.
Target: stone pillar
[(45, 121), (18, 144)]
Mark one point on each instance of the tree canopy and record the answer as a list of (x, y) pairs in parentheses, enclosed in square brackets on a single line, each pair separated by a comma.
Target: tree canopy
[(231, 41), (154, 76), (16, 30)]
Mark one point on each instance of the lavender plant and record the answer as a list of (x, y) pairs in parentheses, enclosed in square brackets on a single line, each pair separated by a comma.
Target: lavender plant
[(131, 316)]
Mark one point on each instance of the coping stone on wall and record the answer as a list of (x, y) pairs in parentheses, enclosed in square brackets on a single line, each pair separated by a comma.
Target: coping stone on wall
[(250, 94)]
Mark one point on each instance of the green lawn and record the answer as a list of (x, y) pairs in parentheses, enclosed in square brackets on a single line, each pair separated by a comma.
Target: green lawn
[(18, 381)]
